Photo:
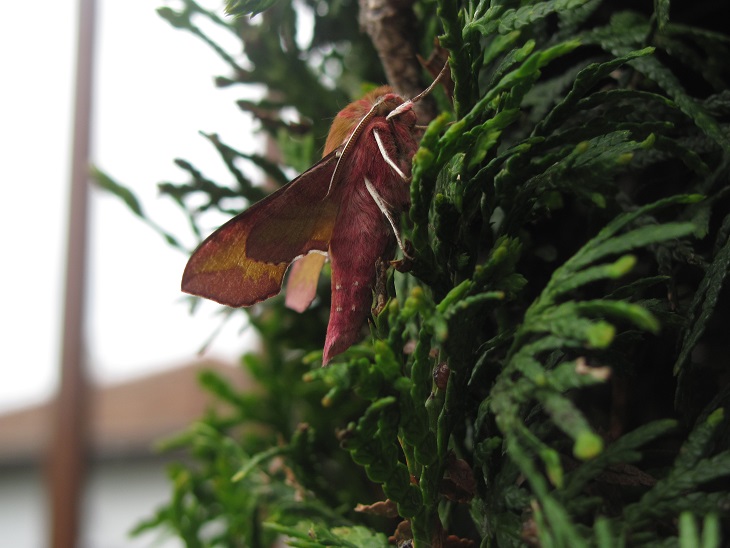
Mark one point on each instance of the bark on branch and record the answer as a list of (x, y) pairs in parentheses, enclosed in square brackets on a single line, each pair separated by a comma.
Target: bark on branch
[(391, 27)]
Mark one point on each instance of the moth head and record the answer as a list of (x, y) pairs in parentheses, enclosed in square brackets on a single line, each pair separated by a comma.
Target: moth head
[(378, 103), (394, 108), (405, 111), (381, 102)]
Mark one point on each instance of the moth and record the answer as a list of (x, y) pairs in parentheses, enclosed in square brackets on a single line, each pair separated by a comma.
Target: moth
[(345, 208)]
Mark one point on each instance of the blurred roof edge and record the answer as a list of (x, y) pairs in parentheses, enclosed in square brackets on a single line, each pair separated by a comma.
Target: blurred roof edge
[(127, 419)]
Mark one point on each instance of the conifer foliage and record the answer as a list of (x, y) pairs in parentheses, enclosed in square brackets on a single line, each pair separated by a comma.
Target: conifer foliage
[(552, 369)]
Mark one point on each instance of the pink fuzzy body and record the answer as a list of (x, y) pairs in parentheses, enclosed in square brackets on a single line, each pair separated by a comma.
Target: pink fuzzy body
[(362, 234)]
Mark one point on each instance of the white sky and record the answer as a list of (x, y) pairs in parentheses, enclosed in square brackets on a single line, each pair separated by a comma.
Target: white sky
[(154, 92)]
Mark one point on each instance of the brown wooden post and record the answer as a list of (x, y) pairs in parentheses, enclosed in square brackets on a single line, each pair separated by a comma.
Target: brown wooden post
[(67, 454)]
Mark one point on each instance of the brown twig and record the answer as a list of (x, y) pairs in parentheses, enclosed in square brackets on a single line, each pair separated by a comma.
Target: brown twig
[(391, 27)]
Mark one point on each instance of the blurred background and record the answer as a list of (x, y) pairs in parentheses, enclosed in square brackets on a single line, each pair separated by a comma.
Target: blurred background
[(140, 343)]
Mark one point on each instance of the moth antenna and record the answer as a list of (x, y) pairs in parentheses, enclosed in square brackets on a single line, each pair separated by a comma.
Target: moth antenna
[(383, 206), (387, 158), (429, 89), (409, 103)]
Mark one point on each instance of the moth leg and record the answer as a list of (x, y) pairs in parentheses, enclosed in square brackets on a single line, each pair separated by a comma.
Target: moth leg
[(406, 263), (381, 286), (388, 159), (383, 206)]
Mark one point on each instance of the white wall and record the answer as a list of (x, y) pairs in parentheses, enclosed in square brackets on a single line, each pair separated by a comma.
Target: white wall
[(118, 496), (22, 508)]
